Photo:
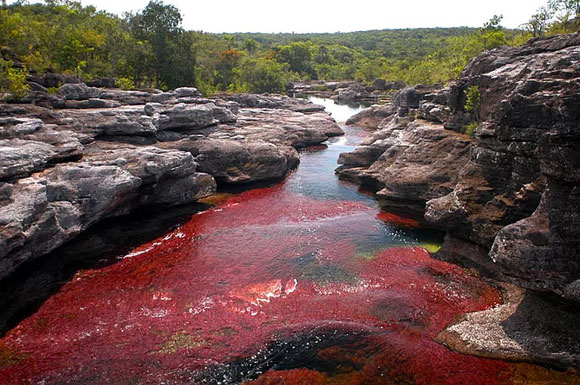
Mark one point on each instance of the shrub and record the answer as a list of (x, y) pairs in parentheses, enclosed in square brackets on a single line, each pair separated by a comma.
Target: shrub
[(473, 101), (264, 76), (125, 84), (470, 128), (13, 80)]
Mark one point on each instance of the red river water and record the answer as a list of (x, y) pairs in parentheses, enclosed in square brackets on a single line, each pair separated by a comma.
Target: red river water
[(303, 282)]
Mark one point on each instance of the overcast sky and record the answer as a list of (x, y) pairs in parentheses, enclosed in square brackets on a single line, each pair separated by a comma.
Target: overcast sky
[(333, 15)]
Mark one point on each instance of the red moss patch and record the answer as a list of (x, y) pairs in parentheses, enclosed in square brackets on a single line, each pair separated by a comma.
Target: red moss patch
[(398, 220), (229, 281)]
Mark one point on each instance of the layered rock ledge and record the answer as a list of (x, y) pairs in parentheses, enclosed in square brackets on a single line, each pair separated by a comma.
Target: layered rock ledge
[(508, 194), (70, 160), (347, 91)]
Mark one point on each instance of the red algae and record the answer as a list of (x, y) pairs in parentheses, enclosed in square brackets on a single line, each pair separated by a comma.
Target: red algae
[(250, 267), (267, 270), (398, 220)]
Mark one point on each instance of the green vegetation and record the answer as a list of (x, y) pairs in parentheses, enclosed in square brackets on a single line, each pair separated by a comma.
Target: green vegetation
[(556, 17), (12, 80), (470, 128), (150, 48), (473, 101), (472, 105)]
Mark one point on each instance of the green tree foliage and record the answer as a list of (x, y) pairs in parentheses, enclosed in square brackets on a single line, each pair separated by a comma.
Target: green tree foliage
[(160, 26), (571, 8), (60, 34), (251, 46), (150, 48), (264, 76), (299, 58), (557, 16), (226, 69), (539, 22)]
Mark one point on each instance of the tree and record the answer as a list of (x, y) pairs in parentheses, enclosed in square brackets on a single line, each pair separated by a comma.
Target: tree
[(226, 68), (13, 80), (567, 9), (160, 25), (250, 45), (493, 24), (539, 22), (492, 34), (298, 56), (261, 75), (570, 7)]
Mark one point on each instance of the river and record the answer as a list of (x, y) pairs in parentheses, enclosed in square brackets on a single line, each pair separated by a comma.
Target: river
[(305, 281)]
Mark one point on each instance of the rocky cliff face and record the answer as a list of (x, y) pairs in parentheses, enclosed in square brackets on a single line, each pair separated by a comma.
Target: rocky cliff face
[(512, 188), (70, 160)]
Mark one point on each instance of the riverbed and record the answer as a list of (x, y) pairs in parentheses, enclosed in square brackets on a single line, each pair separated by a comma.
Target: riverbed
[(304, 281)]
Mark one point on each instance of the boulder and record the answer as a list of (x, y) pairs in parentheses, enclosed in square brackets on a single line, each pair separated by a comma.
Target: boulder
[(182, 116), (373, 116), (79, 91), (187, 92), (232, 161), (19, 158)]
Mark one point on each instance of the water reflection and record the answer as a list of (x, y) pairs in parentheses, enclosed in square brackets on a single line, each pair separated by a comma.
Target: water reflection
[(340, 112)]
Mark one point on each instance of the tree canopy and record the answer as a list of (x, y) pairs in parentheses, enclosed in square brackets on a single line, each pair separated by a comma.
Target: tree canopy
[(151, 48)]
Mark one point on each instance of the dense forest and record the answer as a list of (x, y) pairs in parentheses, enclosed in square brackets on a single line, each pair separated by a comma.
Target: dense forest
[(149, 48)]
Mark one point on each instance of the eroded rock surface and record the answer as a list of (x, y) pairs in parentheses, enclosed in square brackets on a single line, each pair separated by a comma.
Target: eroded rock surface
[(487, 188), (72, 160), (508, 195), (348, 91)]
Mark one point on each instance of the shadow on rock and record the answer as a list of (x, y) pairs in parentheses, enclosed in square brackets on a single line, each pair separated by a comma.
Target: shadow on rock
[(22, 293), (547, 326)]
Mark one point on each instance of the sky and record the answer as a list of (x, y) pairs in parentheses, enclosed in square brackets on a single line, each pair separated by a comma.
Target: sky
[(303, 16)]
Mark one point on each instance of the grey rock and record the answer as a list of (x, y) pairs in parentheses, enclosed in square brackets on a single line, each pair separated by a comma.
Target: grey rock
[(513, 190), (20, 158), (373, 116), (79, 91), (182, 116), (187, 92), (64, 170), (91, 103)]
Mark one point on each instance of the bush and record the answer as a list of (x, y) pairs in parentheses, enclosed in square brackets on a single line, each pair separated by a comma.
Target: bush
[(13, 80), (264, 76), (125, 84), (470, 128), (473, 101)]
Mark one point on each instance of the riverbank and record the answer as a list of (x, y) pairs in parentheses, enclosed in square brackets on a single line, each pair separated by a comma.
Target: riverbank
[(70, 161), (491, 160)]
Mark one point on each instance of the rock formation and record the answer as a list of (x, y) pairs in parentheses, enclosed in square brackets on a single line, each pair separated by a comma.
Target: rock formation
[(348, 91), (70, 160), (513, 187), (509, 194)]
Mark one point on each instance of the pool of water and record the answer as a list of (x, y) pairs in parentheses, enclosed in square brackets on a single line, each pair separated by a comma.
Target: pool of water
[(303, 282)]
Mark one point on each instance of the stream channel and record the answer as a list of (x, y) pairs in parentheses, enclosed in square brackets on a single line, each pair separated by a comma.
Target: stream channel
[(306, 281)]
